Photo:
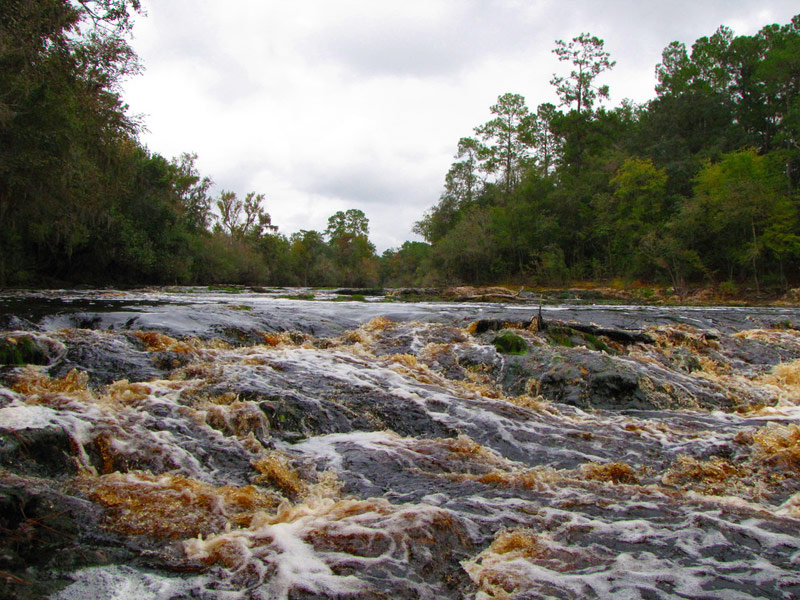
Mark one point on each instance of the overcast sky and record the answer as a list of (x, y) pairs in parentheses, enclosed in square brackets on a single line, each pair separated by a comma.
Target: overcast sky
[(325, 105)]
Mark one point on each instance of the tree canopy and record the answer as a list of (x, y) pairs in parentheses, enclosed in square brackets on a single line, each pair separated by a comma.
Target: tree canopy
[(82, 201), (700, 184)]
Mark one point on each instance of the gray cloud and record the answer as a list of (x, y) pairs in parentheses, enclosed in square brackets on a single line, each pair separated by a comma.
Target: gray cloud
[(393, 43)]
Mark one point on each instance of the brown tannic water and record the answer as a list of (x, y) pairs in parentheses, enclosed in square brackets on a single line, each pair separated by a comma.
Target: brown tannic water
[(205, 445)]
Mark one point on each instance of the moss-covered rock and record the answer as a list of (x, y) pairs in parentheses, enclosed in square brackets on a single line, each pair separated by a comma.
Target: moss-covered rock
[(21, 350), (508, 342)]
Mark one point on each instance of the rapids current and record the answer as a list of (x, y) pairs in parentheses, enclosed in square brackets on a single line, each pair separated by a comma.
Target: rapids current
[(206, 445)]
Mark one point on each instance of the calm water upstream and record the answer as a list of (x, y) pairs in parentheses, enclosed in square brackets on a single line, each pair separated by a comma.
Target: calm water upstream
[(208, 445)]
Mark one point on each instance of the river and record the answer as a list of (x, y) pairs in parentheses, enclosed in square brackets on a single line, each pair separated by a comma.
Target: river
[(192, 443)]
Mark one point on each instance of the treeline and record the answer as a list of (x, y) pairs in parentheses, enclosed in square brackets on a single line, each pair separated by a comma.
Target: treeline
[(83, 201), (698, 185)]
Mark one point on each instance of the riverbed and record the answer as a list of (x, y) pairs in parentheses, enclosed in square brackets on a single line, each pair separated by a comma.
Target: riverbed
[(286, 444)]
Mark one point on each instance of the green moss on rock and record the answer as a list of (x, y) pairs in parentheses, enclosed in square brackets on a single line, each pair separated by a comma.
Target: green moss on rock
[(507, 342), (21, 351)]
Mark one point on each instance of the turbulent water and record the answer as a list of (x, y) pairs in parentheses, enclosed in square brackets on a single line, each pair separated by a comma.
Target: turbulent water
[(162, 445)]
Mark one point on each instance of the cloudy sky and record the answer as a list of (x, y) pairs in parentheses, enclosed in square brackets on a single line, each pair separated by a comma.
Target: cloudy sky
[(325, 105)]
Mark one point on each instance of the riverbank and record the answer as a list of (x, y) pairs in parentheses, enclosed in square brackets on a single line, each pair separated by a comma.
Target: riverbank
[(589, 293), (599, 293)]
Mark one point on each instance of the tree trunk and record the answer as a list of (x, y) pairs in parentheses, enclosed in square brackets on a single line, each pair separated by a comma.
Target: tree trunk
[(755, 256)]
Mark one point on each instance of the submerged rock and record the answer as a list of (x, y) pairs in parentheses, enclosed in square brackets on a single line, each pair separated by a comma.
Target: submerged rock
[(592, 379), (48, 534), (107, 357), (301, 400), (37, 451)]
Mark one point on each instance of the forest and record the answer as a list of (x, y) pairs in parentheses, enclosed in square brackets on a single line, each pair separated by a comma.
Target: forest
[(698, 186)]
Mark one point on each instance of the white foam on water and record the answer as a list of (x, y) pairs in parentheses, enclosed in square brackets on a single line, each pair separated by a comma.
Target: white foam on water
[(28, 416), (279, 549), (19, 416), (125, 583), (324, 447)]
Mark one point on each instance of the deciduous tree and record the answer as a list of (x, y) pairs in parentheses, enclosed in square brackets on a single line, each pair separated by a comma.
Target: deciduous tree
[(243, 219)]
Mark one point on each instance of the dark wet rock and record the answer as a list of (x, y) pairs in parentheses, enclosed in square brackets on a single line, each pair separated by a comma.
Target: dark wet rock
[(432, 549), (445, 349), (483, 325), (169, 361), (377, 412), (288, 416), (196, 445), (360, 291), (683, 359), (6, 396), (241, 419), (482, 294), (474, 355), (753, 356), (410, 338), (299, 400), (9, 322), (483, 461), (566, 328), (463, 362), (591, 379), (413, 293), (45, 534), (108, 357), (41, 452), (300, 594), (623, 336), (435, 553), (341, 408), (446, 362)]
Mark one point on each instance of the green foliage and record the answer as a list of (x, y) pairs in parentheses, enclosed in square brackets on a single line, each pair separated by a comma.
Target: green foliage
[(351, 252), (408, 266), (728, 288), (243, 219), (82, 201), (701, 184), (589, 59), (595, 343), (633, 210), (506, 135), (468, 250), (192, 190), (741, 203)]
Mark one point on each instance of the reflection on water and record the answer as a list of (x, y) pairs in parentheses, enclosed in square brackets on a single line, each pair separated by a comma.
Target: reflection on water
[(249, 446)]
